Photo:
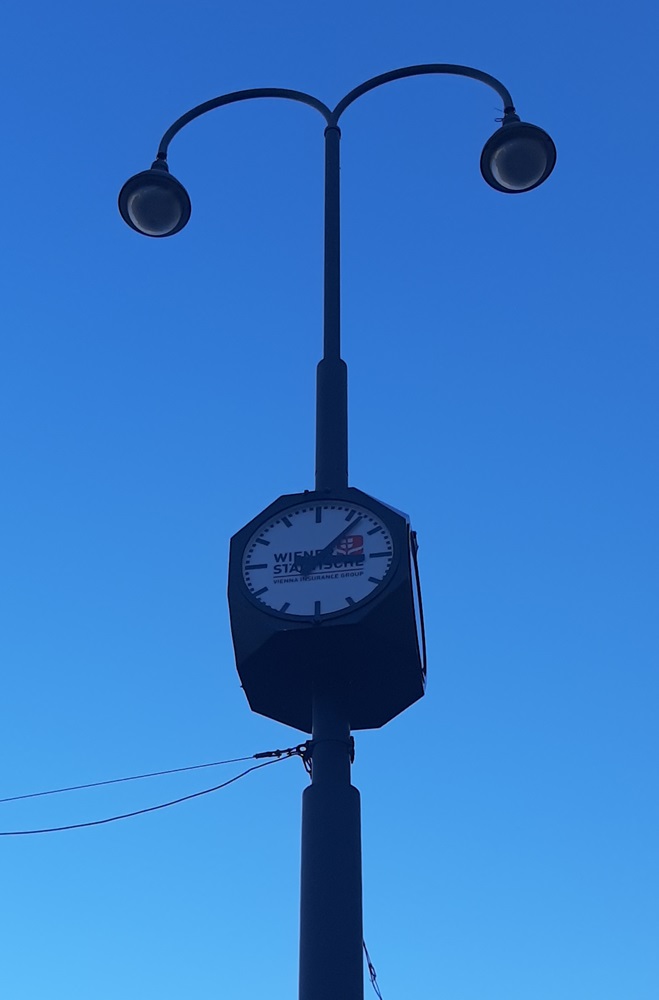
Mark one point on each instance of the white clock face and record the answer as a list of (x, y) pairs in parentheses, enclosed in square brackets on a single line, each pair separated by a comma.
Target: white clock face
[(318, 558)]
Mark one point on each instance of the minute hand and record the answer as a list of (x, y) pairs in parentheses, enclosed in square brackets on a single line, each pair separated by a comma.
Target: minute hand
[(309, 563)]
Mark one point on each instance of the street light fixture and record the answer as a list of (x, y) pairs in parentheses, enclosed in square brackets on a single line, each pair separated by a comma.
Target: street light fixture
[(154, 203), (338, 644), (518, 157)]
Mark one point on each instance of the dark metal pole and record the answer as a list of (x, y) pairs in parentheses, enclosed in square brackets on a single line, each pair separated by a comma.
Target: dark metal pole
[(332, 374), (331, 935)]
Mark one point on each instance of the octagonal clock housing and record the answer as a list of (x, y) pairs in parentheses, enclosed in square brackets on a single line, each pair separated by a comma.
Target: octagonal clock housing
[(324, 594)]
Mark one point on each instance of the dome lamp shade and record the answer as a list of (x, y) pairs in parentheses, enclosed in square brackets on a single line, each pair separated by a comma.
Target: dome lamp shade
[(518, 157), (154, 203)]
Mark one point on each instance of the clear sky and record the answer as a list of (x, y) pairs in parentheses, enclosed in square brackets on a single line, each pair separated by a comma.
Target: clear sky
[(156, 394)]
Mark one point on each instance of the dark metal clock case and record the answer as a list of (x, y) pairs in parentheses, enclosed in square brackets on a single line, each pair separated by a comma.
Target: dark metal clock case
[(370, 656)]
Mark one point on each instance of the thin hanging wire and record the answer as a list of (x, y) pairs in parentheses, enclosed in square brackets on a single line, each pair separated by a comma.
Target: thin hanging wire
[(116, 781), (372, 973), (300, 750), (279, 755)]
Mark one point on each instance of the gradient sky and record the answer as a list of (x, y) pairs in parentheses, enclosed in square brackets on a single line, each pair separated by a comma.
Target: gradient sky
[(156, 394)]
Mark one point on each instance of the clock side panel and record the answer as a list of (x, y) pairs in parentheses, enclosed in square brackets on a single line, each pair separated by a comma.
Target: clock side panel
[(372, 660)]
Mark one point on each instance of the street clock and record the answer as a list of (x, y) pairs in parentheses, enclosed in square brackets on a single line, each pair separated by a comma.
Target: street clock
[(324, 595)]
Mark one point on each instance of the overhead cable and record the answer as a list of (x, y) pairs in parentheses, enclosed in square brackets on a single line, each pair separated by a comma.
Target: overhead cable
[(132, 777), (279, 757)]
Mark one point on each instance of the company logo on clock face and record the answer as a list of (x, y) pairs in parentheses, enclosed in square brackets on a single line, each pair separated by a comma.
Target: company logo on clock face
[(317, 559), (346, 554)]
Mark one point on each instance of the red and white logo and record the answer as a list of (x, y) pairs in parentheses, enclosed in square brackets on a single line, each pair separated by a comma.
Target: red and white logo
[(351, 545)]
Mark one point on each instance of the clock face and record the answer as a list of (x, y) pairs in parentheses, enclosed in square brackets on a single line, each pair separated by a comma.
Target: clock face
[(318, 558)]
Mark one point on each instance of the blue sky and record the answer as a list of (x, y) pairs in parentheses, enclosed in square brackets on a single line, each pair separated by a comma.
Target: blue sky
[(157, 394)]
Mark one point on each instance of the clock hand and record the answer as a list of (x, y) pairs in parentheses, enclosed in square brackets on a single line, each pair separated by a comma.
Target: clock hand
[(308, 563)]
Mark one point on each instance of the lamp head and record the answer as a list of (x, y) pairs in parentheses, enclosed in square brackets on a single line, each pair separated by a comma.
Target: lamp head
[(518, 157), (154, 203)]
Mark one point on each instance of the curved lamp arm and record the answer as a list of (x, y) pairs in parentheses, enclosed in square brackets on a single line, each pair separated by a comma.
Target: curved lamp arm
[(423, 70), (239, 95)]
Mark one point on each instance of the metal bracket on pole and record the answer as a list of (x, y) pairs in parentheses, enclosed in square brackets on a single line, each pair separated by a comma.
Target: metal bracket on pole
[(307, 753)]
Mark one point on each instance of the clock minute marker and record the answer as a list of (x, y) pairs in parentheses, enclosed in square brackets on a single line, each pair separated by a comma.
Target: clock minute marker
[(257, 566)]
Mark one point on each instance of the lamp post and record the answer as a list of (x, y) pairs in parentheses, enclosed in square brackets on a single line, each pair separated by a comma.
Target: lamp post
[(292, 656)]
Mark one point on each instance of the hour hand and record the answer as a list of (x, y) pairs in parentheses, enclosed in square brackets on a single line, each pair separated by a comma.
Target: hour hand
[(305, 564)]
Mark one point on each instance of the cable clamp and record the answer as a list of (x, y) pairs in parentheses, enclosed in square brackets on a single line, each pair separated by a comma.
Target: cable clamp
[(298, 751)]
